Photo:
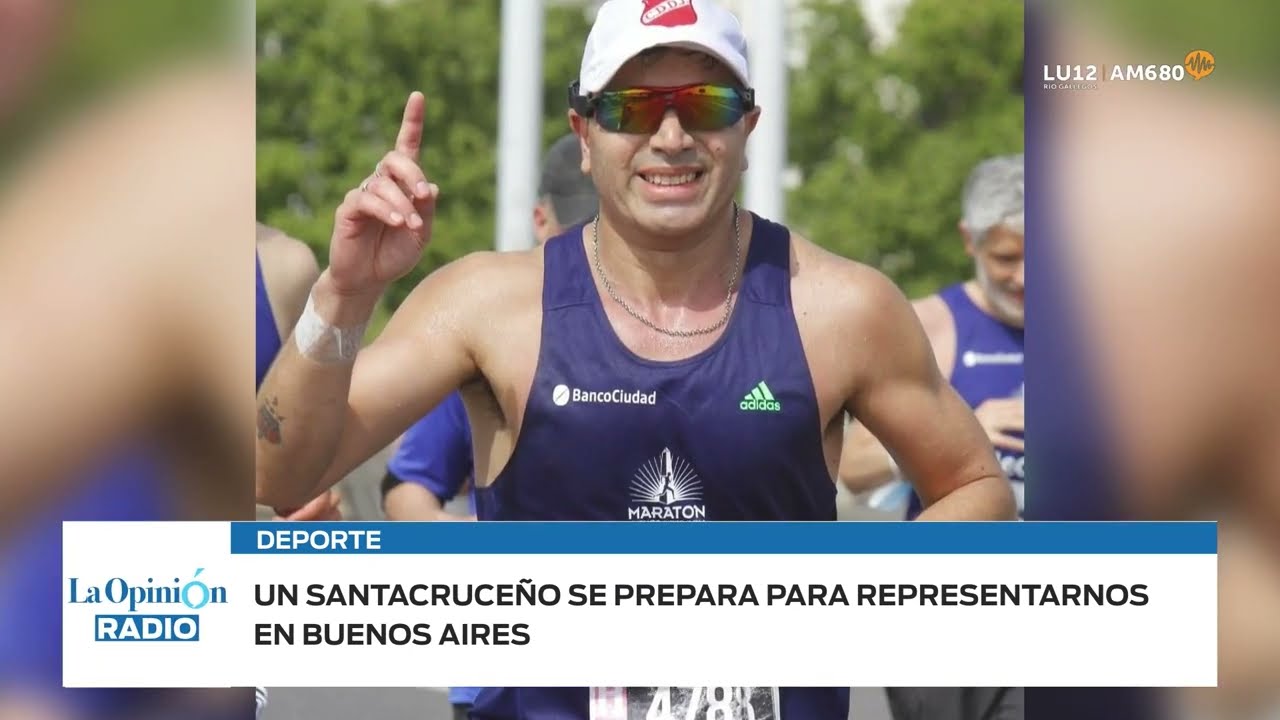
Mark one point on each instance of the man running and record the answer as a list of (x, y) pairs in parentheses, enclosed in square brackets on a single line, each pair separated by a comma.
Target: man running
[(434, 460), (647, 329), (975, 328)]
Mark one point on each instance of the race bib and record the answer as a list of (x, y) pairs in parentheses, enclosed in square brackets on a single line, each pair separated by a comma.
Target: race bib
[(684, 703)]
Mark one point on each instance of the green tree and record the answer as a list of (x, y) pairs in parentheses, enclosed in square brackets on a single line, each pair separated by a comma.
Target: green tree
[(333, 76), (885, 140)]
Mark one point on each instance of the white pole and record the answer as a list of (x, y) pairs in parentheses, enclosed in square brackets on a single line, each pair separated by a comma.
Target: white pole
[(519, 122), (767, 149)]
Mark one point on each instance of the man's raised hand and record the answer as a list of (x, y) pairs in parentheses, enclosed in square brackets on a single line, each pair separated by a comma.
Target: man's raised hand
[(382, 226)]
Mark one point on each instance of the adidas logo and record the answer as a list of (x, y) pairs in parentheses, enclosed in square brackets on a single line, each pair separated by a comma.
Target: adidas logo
[(760, 399)]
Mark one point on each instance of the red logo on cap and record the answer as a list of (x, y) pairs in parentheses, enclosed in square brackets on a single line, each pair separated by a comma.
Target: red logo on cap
[(669, 13)]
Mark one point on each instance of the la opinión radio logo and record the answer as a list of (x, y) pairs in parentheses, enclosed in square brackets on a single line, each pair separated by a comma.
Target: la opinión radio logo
[(132, 600)]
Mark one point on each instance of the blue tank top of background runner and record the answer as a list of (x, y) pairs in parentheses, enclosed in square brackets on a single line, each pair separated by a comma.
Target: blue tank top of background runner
[(268, 338), (988, 364), (732, 433)]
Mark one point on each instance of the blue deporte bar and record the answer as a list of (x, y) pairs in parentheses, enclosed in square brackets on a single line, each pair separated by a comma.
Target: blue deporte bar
[(727, 538)]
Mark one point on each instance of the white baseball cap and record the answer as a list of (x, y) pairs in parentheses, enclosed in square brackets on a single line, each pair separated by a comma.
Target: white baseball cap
[(624, 28)]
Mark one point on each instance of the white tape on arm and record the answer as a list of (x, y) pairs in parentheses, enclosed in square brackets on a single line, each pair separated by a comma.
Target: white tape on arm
[(318, 340)]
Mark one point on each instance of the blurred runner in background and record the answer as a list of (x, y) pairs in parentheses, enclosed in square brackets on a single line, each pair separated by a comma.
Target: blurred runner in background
[(976, 330)]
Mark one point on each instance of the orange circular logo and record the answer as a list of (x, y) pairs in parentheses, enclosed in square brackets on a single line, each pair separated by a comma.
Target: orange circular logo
[(1199, 64)]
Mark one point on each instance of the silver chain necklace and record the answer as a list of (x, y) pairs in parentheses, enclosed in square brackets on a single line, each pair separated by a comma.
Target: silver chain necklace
[(728, 298)]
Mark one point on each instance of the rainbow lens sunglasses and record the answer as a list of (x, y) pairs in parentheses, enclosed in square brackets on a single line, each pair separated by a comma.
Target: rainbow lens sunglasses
[(701, 108)]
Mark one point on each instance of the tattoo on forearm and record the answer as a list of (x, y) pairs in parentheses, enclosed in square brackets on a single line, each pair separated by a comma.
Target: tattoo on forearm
[(269, 421)]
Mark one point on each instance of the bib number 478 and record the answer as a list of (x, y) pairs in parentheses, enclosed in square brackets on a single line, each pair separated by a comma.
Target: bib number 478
[(706, 703)]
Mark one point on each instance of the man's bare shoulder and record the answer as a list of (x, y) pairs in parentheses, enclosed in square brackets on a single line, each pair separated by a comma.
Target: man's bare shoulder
[(276, 242), (857, 322), (494, 275), (285, 255), (479, 284), (844, 294)]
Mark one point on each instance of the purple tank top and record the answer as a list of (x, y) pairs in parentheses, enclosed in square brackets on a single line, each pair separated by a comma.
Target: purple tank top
[(732, 433)]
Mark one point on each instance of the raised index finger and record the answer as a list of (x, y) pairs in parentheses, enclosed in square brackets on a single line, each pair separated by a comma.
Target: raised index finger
[(409, 141)]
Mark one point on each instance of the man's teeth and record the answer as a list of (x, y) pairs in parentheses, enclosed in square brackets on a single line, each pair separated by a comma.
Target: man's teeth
[(671, 179)]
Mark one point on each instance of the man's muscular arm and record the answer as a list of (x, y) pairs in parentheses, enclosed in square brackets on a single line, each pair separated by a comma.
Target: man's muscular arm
[(326, 406), (902, 398), (864, 463), (318, 421)]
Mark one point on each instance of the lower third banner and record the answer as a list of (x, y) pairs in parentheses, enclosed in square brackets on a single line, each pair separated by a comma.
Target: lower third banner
[(680, 608)]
